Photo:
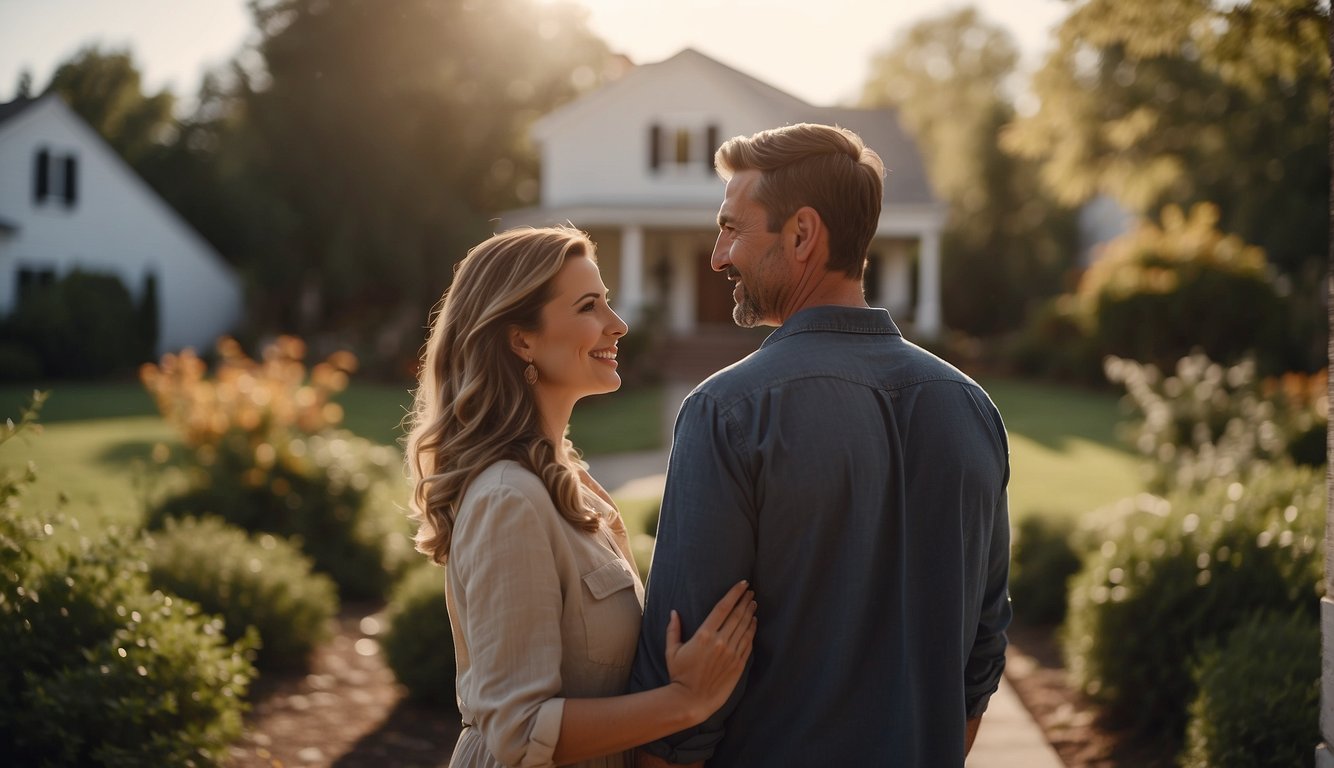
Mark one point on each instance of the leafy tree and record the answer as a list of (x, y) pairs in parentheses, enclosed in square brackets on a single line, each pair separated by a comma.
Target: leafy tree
[(1005, 244), (105, 88), (1160, 103), (390, 134)]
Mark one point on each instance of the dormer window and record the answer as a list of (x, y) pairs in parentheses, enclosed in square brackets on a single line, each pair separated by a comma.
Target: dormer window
[(55, 177), (681, 146)]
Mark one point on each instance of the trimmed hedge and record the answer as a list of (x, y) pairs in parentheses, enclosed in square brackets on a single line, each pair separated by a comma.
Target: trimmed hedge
[(261, 582), (1173, 573), (418, 643), (1259, 697), (84, 324)]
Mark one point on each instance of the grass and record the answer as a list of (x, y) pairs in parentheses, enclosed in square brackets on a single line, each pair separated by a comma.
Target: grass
[(99, 441), (1065, 456), (95, 452)]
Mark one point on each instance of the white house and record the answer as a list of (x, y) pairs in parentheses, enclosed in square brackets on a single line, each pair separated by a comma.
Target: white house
[(68, 201), (632, 164)]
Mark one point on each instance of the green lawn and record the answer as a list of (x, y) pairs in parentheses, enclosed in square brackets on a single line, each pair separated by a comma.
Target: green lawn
[(99, 439), (1065, 456)]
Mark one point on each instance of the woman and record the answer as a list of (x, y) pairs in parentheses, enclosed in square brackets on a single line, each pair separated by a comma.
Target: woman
[(544, 598)]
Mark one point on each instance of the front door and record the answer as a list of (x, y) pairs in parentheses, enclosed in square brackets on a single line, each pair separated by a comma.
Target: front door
[(714, 293)]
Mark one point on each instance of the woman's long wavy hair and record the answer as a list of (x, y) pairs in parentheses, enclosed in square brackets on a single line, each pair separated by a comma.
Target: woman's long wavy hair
[(472, 406)]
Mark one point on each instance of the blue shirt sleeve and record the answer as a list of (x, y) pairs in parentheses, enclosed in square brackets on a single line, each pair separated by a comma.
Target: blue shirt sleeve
[(986, 659), (705, 545)]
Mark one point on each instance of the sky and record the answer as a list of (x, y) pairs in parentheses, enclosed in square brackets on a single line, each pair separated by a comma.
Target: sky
[(817, 50)]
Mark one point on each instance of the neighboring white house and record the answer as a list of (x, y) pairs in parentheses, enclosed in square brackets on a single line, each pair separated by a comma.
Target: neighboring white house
[(632, 164), (68, 201)]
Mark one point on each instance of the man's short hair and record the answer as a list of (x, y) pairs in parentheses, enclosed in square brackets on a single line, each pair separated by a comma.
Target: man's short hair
[(825, 167)]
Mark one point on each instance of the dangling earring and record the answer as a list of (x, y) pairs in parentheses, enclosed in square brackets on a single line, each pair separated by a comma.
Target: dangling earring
[(530, 374)]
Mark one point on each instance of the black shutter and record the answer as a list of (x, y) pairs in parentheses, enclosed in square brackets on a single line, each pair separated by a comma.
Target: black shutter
[(71, 181), (710, 147), (41, 176), (654, 146)]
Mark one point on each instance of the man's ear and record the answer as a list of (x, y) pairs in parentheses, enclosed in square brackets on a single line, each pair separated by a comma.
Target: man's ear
[(519, 344), (807, 228)]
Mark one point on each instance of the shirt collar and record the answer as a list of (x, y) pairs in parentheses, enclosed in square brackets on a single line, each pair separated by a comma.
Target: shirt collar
[(873, 320)]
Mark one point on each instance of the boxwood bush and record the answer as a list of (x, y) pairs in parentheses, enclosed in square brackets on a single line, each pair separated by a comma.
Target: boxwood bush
[(1042, 561), (418, 643), (262, 582), (102, 671), (1175, 572), (334, 493), (1258, 700)]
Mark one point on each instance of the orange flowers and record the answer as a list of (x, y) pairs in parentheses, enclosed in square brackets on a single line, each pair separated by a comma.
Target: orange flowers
[(267, 400)]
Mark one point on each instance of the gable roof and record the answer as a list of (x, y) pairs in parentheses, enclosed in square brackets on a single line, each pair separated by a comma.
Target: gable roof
[(13, 108), (906, 181)]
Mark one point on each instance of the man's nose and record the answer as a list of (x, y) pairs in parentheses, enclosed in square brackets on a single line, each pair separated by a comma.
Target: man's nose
[(719, 260)]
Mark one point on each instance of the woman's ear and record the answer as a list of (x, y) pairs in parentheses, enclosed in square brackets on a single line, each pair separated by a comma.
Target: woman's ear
[(519, 344)]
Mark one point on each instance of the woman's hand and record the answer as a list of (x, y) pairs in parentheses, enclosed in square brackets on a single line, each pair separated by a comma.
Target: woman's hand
[(709, 665)]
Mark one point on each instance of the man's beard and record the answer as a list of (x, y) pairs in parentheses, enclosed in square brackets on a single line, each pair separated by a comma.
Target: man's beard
[(750, 311)]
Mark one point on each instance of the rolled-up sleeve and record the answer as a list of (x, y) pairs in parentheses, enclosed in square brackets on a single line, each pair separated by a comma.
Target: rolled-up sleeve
[(986, 659), (502, 557), (706, 543)]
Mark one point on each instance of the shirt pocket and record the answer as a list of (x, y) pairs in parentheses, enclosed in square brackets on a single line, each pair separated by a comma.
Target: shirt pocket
[(611, 613)]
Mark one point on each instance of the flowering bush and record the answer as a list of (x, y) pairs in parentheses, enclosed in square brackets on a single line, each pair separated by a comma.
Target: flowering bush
[(268, 458), (263, 401), (1169, 574), (1210, 420)]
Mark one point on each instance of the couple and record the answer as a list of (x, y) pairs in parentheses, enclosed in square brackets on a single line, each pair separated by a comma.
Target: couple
[(848, 482)]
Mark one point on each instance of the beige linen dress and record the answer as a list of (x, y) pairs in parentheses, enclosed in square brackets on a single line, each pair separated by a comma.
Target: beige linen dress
[(540, 611)]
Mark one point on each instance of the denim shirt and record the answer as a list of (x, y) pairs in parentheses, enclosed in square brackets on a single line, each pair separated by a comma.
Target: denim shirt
[(859, 483)]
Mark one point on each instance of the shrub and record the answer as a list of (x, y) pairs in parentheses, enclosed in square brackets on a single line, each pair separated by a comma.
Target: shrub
[(1176, 572), (267, 458), (1259, 697), (18, 363), (1042, 560), (1055, 344), (1208, 420), (261, 582), (84, 324), (418, 643), (99, 670), (1156, 293)]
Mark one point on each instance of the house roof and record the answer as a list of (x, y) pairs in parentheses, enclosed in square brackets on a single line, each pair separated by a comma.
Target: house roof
[(906, 182), (13, 108)]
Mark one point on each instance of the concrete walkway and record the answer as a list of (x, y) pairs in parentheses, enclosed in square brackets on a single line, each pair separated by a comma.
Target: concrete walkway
[(1009, 737)]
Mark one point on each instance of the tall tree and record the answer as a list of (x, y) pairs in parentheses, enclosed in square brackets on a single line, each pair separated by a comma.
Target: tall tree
[(1157, 102), (105, 88), (392, 132), (1006, 244)]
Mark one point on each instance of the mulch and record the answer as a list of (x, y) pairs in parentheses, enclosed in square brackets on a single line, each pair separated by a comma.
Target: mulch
[(348, 711)]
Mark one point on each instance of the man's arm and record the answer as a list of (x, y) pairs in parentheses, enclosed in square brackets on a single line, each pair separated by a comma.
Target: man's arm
[(969, 734), (706, 543)]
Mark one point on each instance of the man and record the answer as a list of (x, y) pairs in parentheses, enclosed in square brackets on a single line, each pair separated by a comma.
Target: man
[(855, 479)]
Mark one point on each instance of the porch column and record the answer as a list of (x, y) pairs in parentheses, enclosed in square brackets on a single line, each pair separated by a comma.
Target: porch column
[(895, 287), (630, 293), (681, 301), (927, 320)]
